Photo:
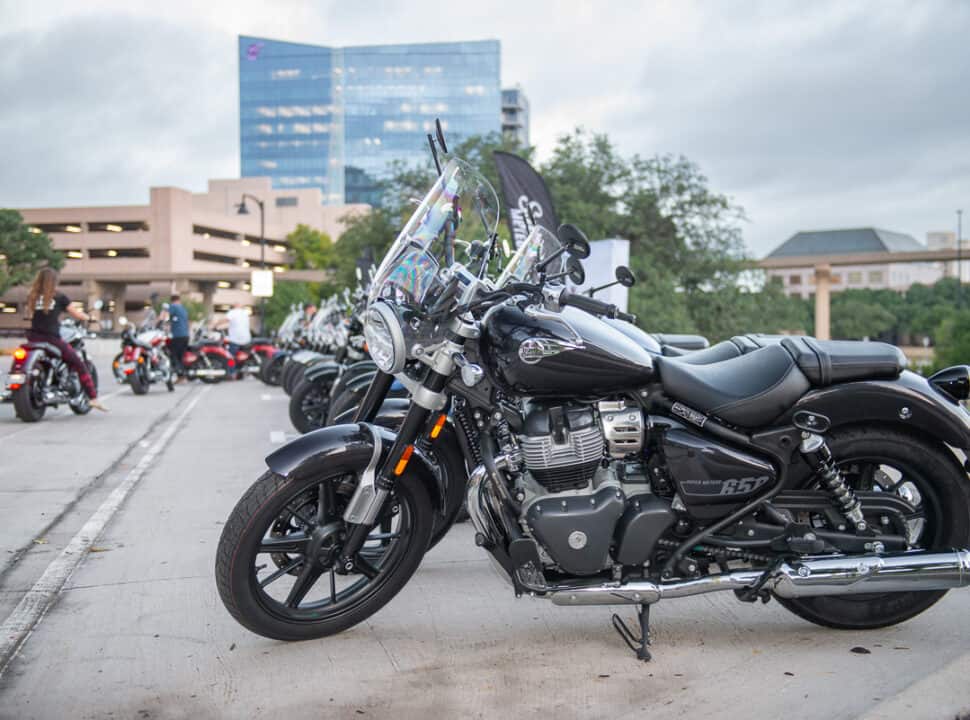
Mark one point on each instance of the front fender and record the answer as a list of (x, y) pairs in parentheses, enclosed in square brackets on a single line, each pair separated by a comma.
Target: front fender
[(322, 371), (349, 447), (907, 401)]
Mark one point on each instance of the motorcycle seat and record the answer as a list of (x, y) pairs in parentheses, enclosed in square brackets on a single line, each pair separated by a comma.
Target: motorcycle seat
[(751, 389), (46, 347), (827, 362), (748, 390)]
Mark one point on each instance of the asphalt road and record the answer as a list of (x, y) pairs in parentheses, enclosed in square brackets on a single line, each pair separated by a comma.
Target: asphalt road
[(138, 630)]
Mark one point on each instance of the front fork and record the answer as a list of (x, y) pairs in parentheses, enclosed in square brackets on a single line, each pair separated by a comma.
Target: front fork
[(377, 481)]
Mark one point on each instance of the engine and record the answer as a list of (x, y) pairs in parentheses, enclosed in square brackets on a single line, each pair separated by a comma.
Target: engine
[(586, 497)]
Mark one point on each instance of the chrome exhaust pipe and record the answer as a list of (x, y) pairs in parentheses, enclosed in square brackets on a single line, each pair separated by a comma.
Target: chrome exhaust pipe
[(843, 575), (208, 372)]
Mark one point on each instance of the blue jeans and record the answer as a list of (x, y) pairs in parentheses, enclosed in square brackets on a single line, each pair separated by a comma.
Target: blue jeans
[(233, 349)]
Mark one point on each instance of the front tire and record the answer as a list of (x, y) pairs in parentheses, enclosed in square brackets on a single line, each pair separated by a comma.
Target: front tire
[(139, 380), (941, 483), (309, 404), (271, 369), (275, 519)]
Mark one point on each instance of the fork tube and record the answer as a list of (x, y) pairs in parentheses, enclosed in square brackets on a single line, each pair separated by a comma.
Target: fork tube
[(374, 397)]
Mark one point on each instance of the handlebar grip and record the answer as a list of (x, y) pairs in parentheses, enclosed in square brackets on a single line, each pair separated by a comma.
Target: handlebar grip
[(587, 304), (626, 317)]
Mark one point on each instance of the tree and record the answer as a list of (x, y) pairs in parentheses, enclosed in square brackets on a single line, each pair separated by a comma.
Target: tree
[(285, 294), (23, 252), (311, 249), (953, 340)]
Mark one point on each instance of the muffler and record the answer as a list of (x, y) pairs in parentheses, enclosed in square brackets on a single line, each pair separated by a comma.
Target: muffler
[(208, 372), (842, 575)]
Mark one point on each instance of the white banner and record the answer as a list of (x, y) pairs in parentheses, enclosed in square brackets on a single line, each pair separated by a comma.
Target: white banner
[(261, 282)]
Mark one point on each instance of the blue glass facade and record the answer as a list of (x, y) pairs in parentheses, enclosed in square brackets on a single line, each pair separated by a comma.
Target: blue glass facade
[(334, 118)]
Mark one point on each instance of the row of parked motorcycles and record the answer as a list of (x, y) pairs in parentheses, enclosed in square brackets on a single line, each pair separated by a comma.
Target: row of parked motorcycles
[(40, 379), (599, 464), (146, 356)]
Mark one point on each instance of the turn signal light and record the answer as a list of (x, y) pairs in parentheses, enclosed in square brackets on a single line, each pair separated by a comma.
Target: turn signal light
[(14, 386), (19, 354), (440, 423), (403, 462)]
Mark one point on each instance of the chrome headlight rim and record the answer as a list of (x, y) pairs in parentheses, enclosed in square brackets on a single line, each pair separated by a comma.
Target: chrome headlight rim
[(383, 313)]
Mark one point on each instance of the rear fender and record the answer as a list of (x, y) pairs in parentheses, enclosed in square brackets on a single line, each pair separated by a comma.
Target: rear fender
[(908, 402), (349, 447), (219, 351)]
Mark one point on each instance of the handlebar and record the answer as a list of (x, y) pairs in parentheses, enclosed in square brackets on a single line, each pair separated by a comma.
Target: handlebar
[(594, 306)]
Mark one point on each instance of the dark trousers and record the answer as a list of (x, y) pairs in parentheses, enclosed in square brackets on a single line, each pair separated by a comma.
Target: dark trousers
[(233, 349), (72, 359), (177, 348)]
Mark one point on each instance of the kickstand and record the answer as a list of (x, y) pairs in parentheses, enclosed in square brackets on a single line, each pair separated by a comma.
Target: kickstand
[(636, 644)]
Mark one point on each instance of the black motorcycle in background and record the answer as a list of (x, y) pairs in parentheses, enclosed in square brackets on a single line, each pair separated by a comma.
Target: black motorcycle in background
[(821, 474), (39, 378)]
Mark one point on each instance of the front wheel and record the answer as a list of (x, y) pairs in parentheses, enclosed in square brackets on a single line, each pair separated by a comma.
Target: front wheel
[(309, 404), (272, 368), (928, 478), (276, 565), (139, 380)]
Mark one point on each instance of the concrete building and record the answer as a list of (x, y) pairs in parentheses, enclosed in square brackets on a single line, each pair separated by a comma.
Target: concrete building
[(799, 278), (336, 117), (947, 240), (193, 243), (515, 115)]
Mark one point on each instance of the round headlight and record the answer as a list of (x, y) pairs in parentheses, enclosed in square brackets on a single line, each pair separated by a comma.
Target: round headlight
[(385, 338)]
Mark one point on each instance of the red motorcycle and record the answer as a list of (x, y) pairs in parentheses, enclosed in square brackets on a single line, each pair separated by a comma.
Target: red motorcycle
[(249, 358), (144, 358), (207, 359)]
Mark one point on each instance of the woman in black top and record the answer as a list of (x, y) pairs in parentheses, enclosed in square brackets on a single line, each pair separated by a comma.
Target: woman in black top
[(45, 325)]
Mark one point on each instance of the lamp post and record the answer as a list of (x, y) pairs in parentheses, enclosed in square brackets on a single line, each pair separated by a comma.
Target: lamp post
[(959, 258), (241, 209)]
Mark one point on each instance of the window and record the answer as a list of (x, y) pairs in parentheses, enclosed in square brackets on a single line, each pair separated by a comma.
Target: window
[(836, 279), (58, 227), (855, 277), (72, 254), (212, 257), (118, 253), (876, 276), (207, 232), (286, 201), (117, 226), (794, 279)]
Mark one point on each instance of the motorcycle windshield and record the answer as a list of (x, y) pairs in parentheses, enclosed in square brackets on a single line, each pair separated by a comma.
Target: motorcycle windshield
[(455, 220), (540, 244)]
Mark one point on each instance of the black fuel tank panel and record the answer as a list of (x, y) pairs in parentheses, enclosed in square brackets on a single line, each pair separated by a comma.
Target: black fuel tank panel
[(561, 355)]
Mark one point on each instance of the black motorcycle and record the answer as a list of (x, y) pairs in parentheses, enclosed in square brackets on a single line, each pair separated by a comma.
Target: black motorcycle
[(818, 473), (39, 378)]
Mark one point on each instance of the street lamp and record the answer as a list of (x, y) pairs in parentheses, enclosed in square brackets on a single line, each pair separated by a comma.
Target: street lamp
[(959, 258), (241, 209)]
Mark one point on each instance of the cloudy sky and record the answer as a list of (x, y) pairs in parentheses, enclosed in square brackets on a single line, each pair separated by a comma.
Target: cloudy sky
[(811, 115)]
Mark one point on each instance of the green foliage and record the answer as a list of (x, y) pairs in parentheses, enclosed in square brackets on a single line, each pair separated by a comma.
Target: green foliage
[(24, 252), (285, 294), (311, 249), (953, 340)]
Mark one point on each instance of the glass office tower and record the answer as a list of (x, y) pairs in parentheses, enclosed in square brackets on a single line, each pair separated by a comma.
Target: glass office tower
[(334, 118)]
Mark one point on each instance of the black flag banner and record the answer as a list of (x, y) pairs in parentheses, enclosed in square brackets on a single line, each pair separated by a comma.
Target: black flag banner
[(526, 196)]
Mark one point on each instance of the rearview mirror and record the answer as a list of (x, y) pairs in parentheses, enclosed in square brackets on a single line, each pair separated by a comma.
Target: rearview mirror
[(625, 276), (573, 240), (574, 270)]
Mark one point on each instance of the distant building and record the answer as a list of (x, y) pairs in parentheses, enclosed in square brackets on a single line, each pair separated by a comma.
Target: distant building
[(515, 115), (335, 118), (945, 239), (799, 279), (193, 243)]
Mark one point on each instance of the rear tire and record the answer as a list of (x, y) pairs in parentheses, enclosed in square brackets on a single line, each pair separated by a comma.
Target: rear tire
[(945, 495), (218, 363), (243, 593), (25, 404)]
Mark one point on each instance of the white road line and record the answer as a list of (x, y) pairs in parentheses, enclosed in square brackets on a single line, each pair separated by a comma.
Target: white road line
[(38, 600)]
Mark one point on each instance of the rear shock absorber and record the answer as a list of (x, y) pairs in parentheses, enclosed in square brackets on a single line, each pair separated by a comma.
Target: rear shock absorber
[(819, 457)]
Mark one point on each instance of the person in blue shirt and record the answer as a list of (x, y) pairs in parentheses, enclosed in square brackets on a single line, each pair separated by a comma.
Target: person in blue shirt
[(178, 318)]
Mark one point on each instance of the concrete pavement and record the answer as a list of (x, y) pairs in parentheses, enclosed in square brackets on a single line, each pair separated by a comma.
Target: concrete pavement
[(139, 630)]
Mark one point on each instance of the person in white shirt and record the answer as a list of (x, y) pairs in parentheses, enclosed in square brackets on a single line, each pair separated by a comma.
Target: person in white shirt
[(238, 333)]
